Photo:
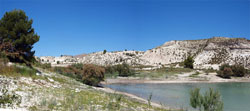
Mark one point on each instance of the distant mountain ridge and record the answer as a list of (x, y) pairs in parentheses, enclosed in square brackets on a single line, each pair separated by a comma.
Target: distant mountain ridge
[(207, 53)]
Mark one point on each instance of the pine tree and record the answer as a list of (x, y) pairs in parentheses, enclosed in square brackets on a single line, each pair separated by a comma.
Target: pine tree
[(16, 31)]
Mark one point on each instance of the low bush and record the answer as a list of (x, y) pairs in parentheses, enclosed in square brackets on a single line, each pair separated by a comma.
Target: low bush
[(43, 66), (92, 74), (88, 74), (226, 71), (8, 99), (17, 70), (124, 70), (3, 59), (238, 70), (110, 69), (210, 101)]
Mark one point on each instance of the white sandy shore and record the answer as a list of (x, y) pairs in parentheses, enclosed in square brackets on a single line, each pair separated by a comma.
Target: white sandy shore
[(180, 78)]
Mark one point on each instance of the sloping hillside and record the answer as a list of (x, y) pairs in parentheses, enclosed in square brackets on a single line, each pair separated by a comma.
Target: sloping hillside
[(48, 91), (207, 53)]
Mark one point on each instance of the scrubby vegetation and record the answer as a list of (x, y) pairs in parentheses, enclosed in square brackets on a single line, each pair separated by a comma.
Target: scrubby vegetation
[(188, 63), (92, 74), (161, 73), (123, 70), (8, 99), (226, 71), (16, 70), (210, 101), (89, 74), (43, 66)]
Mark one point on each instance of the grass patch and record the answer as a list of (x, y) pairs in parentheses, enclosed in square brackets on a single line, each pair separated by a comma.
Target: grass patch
[(8, 99), (89, 99), (19, 71), (111, 75), (162, 72), (195, 74)]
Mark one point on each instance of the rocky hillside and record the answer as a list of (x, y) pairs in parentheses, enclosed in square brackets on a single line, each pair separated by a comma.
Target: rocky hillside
[(49, 91), (208, 53)]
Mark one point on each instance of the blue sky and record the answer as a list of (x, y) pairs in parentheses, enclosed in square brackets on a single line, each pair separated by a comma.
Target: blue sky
[(74, 27)]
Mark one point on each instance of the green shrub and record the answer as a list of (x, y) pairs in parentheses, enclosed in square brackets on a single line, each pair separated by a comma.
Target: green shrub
[(17, 70), (3, 59), (43, 66), (115, 105), (188, 63), (124, 70), (104, 51), (77, 66), (88, 74), (238, 70), (226, 71), (8, 99), (223, 66), (110, 69), (149, 100), (72, 71), (210, 101), (25, 71)]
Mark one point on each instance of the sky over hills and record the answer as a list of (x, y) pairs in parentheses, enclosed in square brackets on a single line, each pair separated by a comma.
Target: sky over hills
[(82, 26)]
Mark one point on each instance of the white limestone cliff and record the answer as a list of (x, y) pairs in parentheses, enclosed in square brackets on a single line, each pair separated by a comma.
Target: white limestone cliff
[(207, 53)]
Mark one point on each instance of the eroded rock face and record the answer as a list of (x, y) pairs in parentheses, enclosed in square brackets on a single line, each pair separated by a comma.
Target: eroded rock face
[(173, 51), (207, 53), (113, 58), (224, 50)]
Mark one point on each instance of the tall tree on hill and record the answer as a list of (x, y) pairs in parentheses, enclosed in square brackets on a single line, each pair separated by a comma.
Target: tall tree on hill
[(17, 36)]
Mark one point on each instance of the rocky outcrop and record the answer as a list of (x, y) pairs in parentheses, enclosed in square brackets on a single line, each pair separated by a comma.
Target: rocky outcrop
[(207, 53), (173, 51), (224, 50), (113, 58)]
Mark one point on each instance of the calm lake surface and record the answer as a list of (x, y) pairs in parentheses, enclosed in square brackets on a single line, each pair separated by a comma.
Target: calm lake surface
[(236, 96)]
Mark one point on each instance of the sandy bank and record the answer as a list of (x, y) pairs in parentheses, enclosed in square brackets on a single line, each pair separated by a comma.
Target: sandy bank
[(180, 78)]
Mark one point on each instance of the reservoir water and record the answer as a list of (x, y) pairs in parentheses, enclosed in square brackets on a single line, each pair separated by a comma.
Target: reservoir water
[(236, 96)]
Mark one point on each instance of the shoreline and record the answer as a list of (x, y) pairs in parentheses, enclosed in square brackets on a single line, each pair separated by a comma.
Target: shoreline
[(179, 78), (137, 98), (203, 78), (150, 81), (141, 81)]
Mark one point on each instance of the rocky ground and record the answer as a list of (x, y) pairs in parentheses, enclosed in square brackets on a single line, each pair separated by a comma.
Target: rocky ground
[(51, 91)]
